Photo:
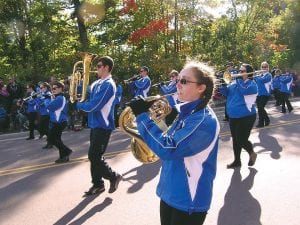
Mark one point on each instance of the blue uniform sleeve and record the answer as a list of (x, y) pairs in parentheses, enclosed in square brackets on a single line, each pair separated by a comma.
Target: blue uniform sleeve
[(142, 83), (183, 143), (55, 103), (98, 100), (168, 89)]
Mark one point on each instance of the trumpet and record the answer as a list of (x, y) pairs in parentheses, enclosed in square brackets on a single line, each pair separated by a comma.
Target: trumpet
[(228, 77), (133, 78)]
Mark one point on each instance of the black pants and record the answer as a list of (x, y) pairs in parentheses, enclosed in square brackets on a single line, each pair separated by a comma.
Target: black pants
[(285, 101), (32, 116), (277, 96), (55, 132), (116, 115), (99, 168), (261, 102), (172, 216), (240, 129), (44, 125)]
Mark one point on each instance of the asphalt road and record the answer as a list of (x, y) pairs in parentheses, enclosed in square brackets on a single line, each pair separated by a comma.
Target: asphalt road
[(34, 190)]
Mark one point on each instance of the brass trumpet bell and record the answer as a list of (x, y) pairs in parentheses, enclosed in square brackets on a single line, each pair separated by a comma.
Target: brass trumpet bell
[(158, 111)]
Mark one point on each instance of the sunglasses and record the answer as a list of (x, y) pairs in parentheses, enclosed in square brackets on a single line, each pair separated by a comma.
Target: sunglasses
[(185, 81), (54, 88)]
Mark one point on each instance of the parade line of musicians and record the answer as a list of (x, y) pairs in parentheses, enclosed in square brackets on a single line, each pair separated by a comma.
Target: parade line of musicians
[(185, 186)]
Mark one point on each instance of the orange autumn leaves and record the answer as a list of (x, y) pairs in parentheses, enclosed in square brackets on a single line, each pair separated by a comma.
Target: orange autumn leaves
[(151, 29)]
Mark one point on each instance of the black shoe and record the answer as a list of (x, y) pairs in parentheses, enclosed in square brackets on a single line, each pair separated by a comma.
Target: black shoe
[(267, 123), (290, 110), (283, 111), (114, 183), (94, 190), (62, 160), (234, 165), (29, 138), (252, 159)]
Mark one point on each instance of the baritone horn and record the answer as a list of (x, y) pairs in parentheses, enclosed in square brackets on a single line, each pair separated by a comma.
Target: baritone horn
[(158, 111), (81, 71)]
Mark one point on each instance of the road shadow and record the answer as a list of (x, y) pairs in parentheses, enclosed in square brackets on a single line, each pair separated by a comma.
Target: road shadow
[(268, 143), (96, 209), (144, 174), (240, 207), (75, 211)]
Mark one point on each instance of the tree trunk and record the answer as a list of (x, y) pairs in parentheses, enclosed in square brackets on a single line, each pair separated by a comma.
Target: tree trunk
[(81, 26)]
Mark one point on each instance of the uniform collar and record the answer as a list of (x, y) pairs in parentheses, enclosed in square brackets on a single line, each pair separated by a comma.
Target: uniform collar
[(187, 107)]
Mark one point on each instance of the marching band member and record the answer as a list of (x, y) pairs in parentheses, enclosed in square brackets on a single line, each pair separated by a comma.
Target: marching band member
[(276, 87), (170, 88), (188, 150), (142, 85), (31, 104), (285, 91), (43, 100), (264, 90), (230, 68), (241, 95), (101, 121), (58, 111)]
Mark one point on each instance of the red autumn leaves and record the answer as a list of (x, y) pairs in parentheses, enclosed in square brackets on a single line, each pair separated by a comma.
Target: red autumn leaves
[(152, 28)]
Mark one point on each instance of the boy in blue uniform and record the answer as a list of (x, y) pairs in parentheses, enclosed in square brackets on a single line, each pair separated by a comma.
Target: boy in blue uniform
[(101, 121)]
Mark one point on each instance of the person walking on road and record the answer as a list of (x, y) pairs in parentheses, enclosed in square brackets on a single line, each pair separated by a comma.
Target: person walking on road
[(58, 111), (241, 95), (188, 165), (100, 109)]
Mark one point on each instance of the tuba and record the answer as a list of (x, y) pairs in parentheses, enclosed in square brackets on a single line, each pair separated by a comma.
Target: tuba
[(158, 111), (79, 74)]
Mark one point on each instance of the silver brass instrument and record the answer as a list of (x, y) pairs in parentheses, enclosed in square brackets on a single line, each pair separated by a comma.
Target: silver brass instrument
[(159, 83), (133, 78), (35, 94), (78, 75), (158, 111), (228, 77)]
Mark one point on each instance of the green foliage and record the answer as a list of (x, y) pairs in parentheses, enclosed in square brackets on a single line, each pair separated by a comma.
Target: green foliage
[(40, 38)]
